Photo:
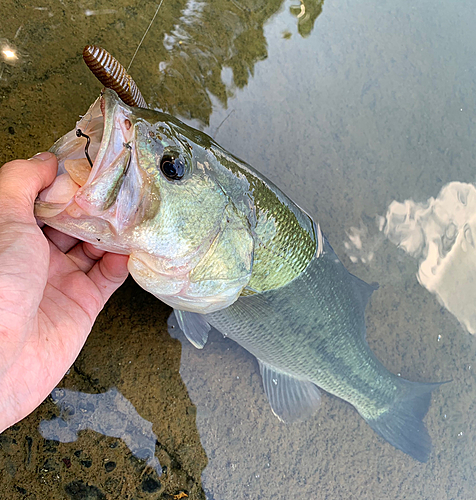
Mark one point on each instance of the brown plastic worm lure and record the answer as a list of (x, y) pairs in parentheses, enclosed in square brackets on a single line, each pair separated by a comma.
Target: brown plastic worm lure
[(112, 74)]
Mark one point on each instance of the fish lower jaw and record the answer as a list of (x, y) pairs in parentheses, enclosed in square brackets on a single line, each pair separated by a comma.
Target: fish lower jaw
[(203, 298), (174, 286), (202, 305)]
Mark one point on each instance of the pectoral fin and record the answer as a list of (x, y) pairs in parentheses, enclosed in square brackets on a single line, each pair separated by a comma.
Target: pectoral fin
[(291, 399), (194, 326)]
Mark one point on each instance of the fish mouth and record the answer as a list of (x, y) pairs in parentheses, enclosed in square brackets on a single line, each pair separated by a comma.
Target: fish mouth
[(94, 161)]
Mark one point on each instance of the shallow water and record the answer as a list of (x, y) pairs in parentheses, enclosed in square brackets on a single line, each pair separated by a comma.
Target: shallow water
[(372, 108)]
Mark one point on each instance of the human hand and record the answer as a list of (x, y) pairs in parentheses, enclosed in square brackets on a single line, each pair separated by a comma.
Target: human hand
[(52, 287)]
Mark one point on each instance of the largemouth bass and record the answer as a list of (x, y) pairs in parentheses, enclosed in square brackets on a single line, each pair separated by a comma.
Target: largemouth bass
[(221, 244)]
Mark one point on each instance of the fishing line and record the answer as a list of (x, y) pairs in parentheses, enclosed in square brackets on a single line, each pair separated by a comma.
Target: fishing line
[(145, 34), (222, 122)]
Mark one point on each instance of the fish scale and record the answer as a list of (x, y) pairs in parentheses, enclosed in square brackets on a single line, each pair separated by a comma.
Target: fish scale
[(223, 246), (323, 330)]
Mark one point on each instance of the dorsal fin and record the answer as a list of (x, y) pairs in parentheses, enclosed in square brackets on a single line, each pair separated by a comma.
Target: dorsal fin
[(364, 289)]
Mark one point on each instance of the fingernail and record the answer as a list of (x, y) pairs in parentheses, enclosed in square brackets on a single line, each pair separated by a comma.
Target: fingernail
[(46, 155)]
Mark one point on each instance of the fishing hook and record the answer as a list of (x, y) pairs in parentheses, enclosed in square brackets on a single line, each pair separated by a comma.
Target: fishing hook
[(128, 146), (79, 133)]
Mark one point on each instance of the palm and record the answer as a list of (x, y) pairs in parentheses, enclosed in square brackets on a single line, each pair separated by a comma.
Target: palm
[(52, 287), (58, 289)]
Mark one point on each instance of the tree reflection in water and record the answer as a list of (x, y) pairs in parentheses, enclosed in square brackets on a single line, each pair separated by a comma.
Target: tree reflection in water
[(209, 37)]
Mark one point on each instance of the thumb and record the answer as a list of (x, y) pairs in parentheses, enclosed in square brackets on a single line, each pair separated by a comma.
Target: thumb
[(20, 183)]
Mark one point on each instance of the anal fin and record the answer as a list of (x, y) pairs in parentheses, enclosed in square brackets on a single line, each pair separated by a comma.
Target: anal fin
[(194, 326), (291, 399)]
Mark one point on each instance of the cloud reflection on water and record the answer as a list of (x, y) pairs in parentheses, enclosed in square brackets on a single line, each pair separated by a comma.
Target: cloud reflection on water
[(109, 413), (440, 235)]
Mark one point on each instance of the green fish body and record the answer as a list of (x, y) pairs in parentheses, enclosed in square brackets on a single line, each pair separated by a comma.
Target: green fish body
[(224, 247)]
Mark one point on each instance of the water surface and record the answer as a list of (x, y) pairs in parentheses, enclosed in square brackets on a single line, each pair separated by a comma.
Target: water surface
[(348, 107)]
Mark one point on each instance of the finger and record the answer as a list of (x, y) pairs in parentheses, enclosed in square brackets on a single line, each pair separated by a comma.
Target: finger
[(109, 273), (20, 182), (93, 251), (84, 255), (62, 241)]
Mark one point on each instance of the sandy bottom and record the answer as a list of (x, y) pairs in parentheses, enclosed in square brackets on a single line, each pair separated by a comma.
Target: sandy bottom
[(129, 349)]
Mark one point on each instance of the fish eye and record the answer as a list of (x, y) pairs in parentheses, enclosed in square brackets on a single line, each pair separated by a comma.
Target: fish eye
[(172, 167)]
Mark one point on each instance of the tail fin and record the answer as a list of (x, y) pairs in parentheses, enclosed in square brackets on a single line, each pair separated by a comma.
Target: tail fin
[(402, 424)]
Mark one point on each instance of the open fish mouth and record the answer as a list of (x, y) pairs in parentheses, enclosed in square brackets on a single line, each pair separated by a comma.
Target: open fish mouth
[(94, 160)]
